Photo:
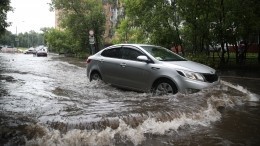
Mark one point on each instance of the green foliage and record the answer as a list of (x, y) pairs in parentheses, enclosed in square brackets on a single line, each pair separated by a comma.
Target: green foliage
[(218, 21), (4, 8), (77, 18), (204, 59), (30, 39), (25, 40), (126, 35), (61, 41), (194, 24), (7, 38), (157, 20)]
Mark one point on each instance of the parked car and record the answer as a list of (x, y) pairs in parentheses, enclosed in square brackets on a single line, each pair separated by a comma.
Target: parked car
[(30, 51), (41, 52), (149, 68)]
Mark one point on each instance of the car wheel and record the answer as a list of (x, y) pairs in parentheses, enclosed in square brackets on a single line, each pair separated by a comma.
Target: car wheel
[(164, 87), (95, 76)]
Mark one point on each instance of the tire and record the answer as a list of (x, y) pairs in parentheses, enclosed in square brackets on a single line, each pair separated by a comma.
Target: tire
[(95, 76), (164, 87)]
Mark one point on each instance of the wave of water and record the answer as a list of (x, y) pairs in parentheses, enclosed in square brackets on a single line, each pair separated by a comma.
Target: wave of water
[(134, 128), (252, 96)]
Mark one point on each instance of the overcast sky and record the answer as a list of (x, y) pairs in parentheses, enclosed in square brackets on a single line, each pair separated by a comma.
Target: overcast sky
[(30, 15)]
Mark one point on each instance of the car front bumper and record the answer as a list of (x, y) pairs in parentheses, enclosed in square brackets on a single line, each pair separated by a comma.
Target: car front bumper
[(184, 84)]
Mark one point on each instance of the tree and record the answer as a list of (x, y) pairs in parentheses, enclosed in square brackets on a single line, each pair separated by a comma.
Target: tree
[(218, 22), (78, 17), (7, 38), (4, 8), (158, 19), (60, 41), (127, 33)]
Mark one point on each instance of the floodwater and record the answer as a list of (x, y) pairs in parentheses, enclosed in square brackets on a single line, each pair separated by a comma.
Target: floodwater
[(49, 101)]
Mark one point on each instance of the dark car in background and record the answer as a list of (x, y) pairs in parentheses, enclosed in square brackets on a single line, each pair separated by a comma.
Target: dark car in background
[(149, 68)]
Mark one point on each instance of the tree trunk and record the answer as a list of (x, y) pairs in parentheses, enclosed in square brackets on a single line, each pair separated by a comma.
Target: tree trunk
[(222, 53), (236, 49), (258, 53), (222, 20), (259, 46), (227, 53)]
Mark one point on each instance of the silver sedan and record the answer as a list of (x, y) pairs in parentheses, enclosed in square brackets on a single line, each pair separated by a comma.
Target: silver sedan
[(149, 68)]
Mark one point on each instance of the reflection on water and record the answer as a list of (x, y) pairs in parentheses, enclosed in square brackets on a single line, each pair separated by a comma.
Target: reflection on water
[(49, 101)]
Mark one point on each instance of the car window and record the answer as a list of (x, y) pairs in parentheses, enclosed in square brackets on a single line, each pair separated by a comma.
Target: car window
[(163, 54), (113, 53), (130, 53)]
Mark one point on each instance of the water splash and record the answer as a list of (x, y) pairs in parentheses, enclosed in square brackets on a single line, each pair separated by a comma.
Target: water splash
[(251, 96), (126, 132)]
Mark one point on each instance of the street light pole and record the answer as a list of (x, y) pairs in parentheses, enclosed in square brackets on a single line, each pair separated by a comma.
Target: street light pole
[(28, 39), (16, 38)]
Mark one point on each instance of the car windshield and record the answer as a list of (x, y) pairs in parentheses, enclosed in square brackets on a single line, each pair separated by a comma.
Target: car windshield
[(162, 54)]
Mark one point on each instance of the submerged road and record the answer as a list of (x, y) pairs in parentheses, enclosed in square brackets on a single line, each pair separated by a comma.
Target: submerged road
[(50, 101)]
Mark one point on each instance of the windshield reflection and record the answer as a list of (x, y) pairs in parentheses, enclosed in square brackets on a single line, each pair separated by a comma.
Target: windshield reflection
[(163, 54)]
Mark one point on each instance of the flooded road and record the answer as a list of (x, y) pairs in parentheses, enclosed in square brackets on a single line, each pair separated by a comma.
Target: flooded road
[(49, 101)]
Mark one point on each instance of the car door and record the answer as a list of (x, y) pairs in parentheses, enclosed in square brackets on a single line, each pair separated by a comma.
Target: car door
[(135, 73), (110, 65)]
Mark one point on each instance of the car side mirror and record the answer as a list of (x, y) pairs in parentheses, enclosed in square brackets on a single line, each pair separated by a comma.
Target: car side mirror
[(143, 58)]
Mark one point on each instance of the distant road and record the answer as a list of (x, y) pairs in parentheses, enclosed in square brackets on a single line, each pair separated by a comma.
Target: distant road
[(9, 50)]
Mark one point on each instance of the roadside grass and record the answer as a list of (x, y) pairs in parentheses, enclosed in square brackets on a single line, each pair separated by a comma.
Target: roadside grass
[(21, 48), (250, 62)]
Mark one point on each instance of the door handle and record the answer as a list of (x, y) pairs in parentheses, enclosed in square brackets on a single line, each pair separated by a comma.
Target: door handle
[(101, 61), (155, 68), (123, 64)]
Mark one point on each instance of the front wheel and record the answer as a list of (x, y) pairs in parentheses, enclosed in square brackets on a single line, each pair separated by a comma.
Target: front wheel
[(164, 87), (95, 76)]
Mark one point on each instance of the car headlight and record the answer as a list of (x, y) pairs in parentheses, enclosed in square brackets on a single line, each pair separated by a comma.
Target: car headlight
[(191, 75)]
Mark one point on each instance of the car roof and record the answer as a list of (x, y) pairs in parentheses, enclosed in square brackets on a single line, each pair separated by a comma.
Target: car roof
[(137, 45)]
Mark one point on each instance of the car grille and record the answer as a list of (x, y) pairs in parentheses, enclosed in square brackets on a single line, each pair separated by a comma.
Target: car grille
[(210, 77)]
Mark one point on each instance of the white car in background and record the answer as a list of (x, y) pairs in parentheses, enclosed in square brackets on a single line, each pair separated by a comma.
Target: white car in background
[(30, 51)]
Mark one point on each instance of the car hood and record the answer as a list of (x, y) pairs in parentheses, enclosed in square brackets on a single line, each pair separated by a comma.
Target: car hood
[(190, 66)]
